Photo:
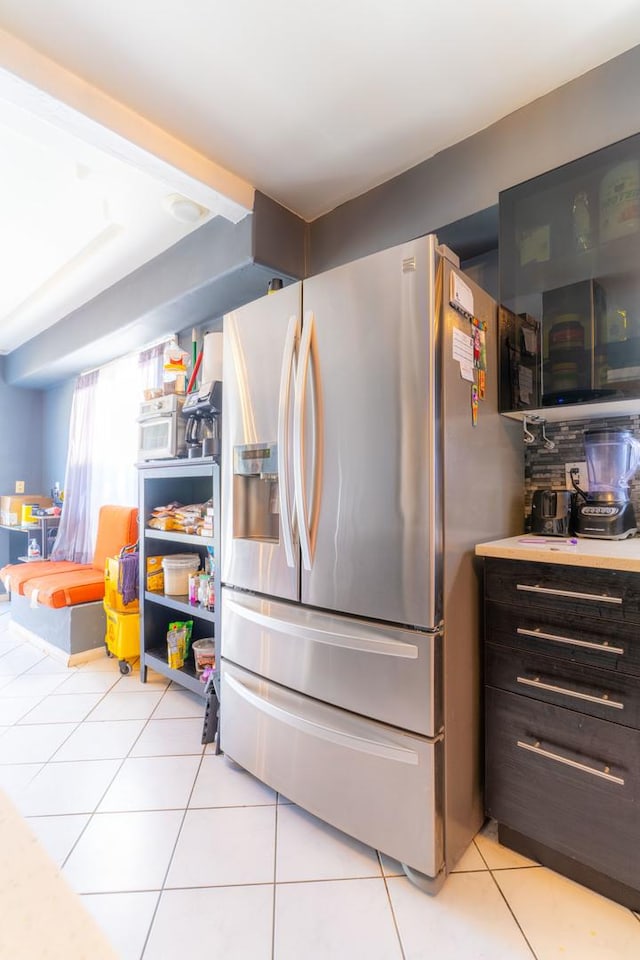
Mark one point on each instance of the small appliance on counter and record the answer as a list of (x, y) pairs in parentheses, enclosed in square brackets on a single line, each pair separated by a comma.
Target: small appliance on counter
[(612, 456), (202, 409), (551, 512), (161, 430)]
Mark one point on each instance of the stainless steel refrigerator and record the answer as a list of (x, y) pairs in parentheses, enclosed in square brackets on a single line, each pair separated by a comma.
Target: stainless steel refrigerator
[(354, 489)]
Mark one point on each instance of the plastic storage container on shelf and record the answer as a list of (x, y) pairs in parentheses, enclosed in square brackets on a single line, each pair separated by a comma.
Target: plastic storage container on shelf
[(176, 572), (204, 653)]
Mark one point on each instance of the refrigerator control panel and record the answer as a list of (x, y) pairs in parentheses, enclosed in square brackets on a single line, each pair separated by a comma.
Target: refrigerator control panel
[(255, 459)]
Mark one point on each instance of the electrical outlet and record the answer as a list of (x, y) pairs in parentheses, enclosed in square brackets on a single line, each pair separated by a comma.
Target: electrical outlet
[(581, 478), (19, 486)]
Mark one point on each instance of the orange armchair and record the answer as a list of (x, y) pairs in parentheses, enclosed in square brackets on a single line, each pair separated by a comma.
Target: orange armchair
[(62, 583)]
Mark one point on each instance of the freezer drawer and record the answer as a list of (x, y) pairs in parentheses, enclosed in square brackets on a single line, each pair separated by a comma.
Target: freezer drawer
[(374, 783), (379, 671)]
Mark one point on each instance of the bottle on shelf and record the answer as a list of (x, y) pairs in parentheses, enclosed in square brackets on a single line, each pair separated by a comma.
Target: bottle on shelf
[(33, 550), (582, 237)]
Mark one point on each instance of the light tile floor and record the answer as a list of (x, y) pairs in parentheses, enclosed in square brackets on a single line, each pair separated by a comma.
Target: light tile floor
[(180, 855)]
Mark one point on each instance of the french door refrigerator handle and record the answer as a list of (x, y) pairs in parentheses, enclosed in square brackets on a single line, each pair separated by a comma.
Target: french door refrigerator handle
[(359, 742), (298, 439), (284, 403)]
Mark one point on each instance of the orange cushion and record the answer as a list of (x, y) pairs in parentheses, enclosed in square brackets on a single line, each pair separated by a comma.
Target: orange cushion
[(66, 589), (15, 575), (63, 583), (117, 528)]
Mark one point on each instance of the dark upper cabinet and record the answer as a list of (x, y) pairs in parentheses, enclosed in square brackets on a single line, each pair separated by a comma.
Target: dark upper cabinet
[(570, 284)]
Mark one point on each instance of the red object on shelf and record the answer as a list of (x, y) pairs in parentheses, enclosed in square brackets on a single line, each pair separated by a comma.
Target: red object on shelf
[(194, 373)]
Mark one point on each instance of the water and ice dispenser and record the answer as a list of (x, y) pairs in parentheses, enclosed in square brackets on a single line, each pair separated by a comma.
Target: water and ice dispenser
[(255, 492)]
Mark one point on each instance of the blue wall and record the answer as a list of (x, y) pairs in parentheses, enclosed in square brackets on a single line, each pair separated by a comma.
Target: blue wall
[(56, 411), (22, 433), (21, 419)]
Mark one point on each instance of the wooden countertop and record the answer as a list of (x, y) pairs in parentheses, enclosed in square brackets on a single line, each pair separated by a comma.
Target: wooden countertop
[(601, 554)]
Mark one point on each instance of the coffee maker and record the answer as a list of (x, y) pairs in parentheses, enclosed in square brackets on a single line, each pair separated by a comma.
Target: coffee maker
[(606, 512), (202, 408)]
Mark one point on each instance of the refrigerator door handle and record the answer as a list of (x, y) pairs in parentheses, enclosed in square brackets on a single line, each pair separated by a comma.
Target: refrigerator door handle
[(287, 519), (298, 439), (357, 741), (345, 641)]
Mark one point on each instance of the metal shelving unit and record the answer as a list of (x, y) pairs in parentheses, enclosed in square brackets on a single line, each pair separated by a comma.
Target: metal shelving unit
[(161, 482)]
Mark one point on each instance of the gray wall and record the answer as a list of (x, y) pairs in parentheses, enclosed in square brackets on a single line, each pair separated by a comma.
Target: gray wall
[(210, 271), (595, 110), (22, 433), (21, 418), (56, 411), (222, 265)]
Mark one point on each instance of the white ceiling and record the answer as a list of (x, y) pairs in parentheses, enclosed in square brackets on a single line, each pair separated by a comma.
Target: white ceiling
[(311, 102)]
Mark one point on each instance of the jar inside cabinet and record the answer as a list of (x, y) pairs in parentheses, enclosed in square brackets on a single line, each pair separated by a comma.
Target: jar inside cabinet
[(569, 255)]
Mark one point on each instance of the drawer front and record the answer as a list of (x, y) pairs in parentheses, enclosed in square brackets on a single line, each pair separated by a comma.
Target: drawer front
[(365, 778), (608, 594), (379, 671), (568, 781), (598, 693), (590, 640)]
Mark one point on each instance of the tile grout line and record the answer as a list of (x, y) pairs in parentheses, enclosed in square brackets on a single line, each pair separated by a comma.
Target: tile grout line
[(50, 760), (393, 913), (92, 813), (108, 787), (119, 768), (274, 885), (173, 852), (517, 922)]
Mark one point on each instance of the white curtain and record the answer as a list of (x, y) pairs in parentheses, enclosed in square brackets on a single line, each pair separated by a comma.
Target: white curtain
[(103, 444), (74, 537)]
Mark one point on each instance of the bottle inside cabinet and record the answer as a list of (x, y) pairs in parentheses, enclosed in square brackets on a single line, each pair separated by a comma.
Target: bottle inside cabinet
[(570, 263)]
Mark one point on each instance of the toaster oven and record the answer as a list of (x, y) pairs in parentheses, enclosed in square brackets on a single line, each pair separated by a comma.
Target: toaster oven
[(161, 428)]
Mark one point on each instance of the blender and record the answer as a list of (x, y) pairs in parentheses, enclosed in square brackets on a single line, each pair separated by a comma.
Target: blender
[(605, 511)]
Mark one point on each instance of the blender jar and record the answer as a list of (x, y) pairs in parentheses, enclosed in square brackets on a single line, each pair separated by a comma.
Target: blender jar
[(612, 458)]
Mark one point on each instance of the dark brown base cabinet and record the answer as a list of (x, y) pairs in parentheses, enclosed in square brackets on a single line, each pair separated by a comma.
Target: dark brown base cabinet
[(562, 697)]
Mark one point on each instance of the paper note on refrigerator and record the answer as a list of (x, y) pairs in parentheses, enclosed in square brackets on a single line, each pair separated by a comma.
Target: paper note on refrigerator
[(463, 353), (461, 295)]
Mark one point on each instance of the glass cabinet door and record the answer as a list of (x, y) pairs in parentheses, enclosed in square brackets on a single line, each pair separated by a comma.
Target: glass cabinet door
[(570, 283)]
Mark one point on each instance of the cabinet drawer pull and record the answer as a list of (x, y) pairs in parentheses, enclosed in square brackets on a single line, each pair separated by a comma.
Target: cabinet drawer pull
[(572, 594), (552, 688), (539, 635), (603, 774)]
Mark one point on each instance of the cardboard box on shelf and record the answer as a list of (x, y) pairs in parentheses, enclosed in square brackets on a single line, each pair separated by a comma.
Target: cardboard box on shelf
[(11, 507)]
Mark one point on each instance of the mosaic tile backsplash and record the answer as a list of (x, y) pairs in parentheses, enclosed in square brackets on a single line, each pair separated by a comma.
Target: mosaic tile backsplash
[(544, 469)]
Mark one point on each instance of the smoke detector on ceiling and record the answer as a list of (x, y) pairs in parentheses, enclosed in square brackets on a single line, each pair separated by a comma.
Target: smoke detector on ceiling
[(183, 209)]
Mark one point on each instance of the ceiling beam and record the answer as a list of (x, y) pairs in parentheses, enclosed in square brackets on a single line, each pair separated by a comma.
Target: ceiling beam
[(47, 91)]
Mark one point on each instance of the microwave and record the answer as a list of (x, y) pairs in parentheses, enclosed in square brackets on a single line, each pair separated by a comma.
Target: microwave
[(161, 428)]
